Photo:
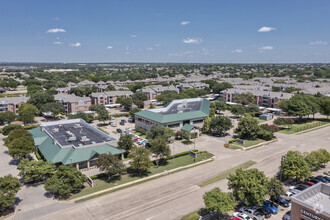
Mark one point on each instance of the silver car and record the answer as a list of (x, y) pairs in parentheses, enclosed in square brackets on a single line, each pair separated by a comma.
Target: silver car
[(254, 214), (287, 215)]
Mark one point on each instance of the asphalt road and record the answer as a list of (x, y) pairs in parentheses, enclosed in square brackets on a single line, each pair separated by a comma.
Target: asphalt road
[(173, 196)]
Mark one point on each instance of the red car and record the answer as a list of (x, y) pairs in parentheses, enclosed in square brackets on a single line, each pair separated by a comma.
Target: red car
[(236, 218), (309, 183)]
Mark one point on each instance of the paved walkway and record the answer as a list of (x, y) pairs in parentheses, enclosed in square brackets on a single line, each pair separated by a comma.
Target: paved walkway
[(173, 196)]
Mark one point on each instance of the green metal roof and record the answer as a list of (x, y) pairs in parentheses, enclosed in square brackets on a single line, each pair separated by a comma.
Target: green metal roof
[(187, 127), (54, 153), (160, 118)]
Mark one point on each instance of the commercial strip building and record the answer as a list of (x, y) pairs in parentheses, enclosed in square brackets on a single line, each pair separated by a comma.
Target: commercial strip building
[(73, 142), (12, 103), (73, 103), (262, 98), (312, 203), (175, 115)]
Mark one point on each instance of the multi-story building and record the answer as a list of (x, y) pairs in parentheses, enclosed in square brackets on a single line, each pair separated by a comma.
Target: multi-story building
[(312, 203), (73, 103), (12, 103), (197, 85), (73, 142), (109, 97), (155, 90), (175, 115), (262, 98)]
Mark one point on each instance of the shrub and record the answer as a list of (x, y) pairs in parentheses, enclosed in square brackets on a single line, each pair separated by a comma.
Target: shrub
[(9, 128), (271, 128), (265, 135), (233, 140), (120, 115), (226, 145), (179, 155)]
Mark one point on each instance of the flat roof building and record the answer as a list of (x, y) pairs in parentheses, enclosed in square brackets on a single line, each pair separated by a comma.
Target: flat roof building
[(72, 142), (312, 203), (175, 115)]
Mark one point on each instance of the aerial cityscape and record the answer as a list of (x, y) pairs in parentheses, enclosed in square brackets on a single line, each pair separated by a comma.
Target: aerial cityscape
[(165, 110)]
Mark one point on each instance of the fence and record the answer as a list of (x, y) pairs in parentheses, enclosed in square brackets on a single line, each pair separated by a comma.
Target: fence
[(308, 126)]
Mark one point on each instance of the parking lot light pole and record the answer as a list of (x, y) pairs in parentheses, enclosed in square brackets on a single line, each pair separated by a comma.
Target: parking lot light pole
[(281, 171)]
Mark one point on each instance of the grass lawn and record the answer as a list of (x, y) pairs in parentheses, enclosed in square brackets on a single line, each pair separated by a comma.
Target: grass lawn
[(101, 184), (259, 120), (191, 216), (235, 147), (226, 173), (139, 134), (297, 127), (248, 143)]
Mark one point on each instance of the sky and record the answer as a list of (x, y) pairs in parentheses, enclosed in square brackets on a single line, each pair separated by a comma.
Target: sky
[(182, 31)]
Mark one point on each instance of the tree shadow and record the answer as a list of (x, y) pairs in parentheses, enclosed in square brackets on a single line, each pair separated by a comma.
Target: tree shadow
[(18, 200), (49, 194), (14, 162)]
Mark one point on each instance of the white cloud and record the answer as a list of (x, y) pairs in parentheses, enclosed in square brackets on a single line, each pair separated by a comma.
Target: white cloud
[(150, 48), (133, 36), (57, 42), (266, 48), (318, 42), (183, 23), (75, 44), (192, 40), (205, 51), (56, 30), (156, 45), (56, 19), (109, 47), (237, 51), (266, 29), (57, 38)]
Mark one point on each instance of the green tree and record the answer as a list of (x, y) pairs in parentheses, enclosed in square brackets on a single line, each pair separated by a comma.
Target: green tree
[(54, 107), (7, 116), (157, 131), (32, 89), (125, 142), (238, 110), (64, 181), (126, 102), (249, 186), (168, 96), (275, 188), (221, 105), (7, 129), (297, 106), (9, 186), (283, 121), (87, 117), (35, 171), (139, 96), (325, 107), (20, 147), (295, 165), (253, 109), (244, 98), (110, 164), (132, 112), (248, 128), (207, 125), (110, 88), (220, 201), (18, 133), (160, 148), (220, 124), (140, 160), (40, 98), (26, 113)]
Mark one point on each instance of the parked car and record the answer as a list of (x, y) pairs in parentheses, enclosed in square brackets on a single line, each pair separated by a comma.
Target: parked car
[(123, 120), (324, 180), (270, 206), (281, 201), (291, 192), (119, 130), (241, 216), (327, 178), (264, 211), (309, 183), (131, 120), (235, 218), (122, 123), (327, 172), (287, 215), (141, 141), (315, 181), (112, 118), (128, 128), (253, 213), (113, 124), (300, 187)]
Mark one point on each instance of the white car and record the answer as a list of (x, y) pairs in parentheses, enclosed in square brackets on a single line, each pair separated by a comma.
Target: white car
[(128, 129), (291, 192), (241, 216)]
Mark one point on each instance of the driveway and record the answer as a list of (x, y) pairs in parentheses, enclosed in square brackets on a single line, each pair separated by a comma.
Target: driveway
[(7, 164)]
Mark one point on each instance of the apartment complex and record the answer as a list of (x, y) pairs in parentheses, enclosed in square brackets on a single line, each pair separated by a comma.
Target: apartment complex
[(12, 103), (73, 103), (262, 98), (155, 90), (175, 115), (107, 98)]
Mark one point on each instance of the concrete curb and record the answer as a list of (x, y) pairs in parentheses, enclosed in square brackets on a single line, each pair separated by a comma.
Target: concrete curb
[(143, 179), (256, 145)]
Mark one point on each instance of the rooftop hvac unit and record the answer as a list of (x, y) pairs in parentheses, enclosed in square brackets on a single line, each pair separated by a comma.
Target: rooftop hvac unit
[(77, 126), (184, 104), (55, 129), (180, 108), (84, 138), (72, 138)]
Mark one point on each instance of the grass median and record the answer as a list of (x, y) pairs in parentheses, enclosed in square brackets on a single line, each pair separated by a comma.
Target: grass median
[(226, 173), (102, 184), (298, 127)]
